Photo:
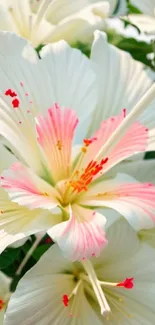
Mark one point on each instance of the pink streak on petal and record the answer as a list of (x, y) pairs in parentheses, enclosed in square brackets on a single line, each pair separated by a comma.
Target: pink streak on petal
[(134, 141), (82, 236), (55, 135), (135, 201), (26, 188)]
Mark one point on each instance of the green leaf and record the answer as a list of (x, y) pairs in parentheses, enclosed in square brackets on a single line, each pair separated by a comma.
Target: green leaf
[(8, 257), (150, 155), (40, 251), (133, 9), (127, 22), (138, 49)]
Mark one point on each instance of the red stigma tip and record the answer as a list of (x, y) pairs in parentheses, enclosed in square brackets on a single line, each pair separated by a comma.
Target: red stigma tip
[(10, 92), (65, 300), (15, 103), (127, 283)]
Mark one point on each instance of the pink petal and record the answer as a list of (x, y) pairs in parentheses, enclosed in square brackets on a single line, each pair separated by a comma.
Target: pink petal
[(135, 201), (55, 135), (135, 140), (82, 236), (27, 189)]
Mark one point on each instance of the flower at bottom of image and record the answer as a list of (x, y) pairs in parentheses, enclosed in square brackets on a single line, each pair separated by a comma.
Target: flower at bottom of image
[(116, 288)]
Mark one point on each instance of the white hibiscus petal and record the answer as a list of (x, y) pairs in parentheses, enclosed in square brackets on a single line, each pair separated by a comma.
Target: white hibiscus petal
[(142, 170), (27, 189), (133, 200), (132, 81), (82, 236)]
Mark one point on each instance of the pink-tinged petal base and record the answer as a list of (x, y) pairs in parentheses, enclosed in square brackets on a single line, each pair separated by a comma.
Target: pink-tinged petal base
[(135, 201), (82, 236), (55, 135), (27, 189), (135, 140)]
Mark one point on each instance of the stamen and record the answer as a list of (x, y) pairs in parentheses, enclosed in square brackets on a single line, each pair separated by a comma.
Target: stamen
[(105, 309), (66, 298), (127, 283), (87, 142), (86, 178)]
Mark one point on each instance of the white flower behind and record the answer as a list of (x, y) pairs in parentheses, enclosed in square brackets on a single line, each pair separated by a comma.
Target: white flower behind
[(146, 20), (47, 21), (117, 288)]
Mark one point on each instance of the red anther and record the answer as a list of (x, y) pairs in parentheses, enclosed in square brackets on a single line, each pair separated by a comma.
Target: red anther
[(65, 300), (10, 93), (124, 112), (104, 161), (15, 103), (87, 142), (127, 283)]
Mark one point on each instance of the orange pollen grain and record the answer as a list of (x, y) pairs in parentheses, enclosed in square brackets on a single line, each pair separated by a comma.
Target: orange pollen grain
[(59, 145), (87, 176)]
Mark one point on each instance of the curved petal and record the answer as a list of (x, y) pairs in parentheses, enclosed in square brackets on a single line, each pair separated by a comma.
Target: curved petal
[(64, 76), (58, 10), (145, 23), (126, 256), (134, 140), (79, 27), (135, 201), (142, 170), (132, 82), (27, 189), (74, 82), (18, 222), (55, 136), (82, 236), (41, 301)]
